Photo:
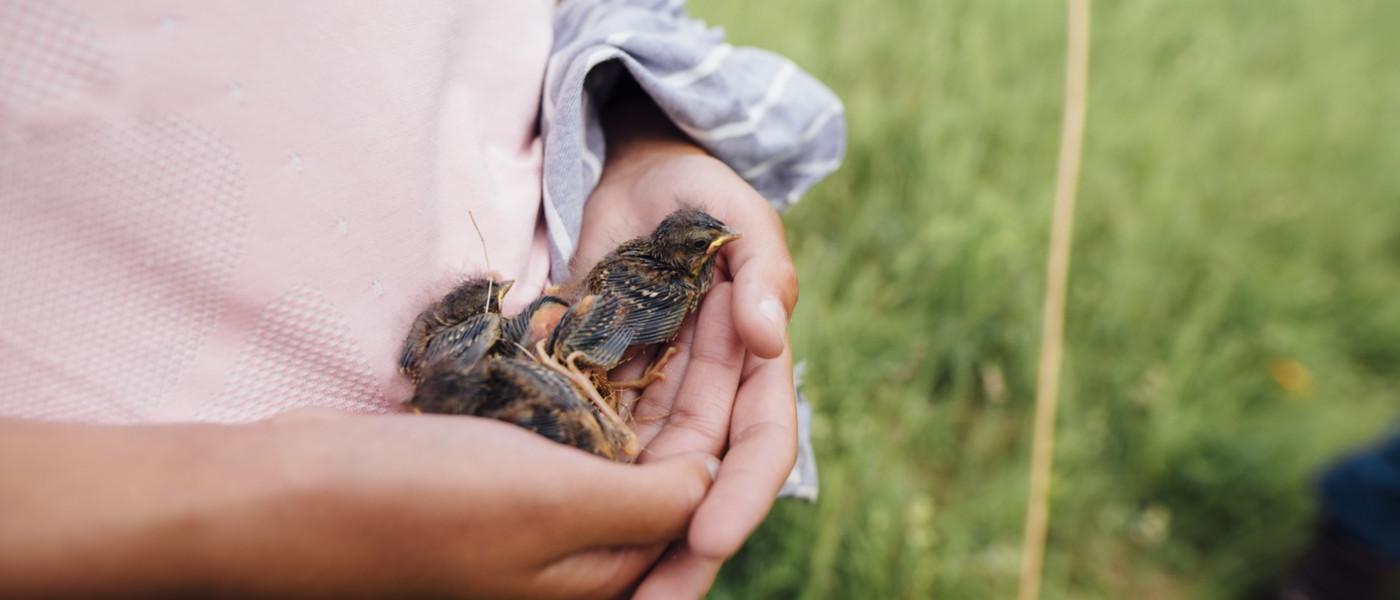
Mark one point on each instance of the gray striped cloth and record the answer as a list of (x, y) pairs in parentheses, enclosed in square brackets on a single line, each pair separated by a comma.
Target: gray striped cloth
[(771, 122), (776, 126)]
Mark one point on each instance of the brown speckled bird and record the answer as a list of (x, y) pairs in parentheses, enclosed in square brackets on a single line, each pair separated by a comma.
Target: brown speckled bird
[(463, 314), (527, 394), (644, 289), (638, 294), (466, 359)]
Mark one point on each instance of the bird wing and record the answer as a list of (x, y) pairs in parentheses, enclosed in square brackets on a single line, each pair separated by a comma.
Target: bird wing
[(594, 328), (655, 313), (548, 382), (413, 347), (464, 343)]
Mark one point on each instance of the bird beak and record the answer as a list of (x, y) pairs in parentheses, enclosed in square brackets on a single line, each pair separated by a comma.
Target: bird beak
[(501, 289), (721, 241)]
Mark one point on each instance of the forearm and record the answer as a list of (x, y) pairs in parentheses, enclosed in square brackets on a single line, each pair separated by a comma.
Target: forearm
[(100, 510)]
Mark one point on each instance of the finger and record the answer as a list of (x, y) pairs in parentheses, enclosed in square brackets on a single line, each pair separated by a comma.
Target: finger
[(625, 505), (633, 368), (680, 574), (659, 398), (765, 281), (762, 449), (698, 420), (655, 402)]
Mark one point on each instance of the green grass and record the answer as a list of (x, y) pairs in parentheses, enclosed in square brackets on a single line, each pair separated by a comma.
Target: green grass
[(1239, 208)]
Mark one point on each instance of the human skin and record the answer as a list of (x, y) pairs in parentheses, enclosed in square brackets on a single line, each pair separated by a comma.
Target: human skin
[(728, 391), (329, 504)]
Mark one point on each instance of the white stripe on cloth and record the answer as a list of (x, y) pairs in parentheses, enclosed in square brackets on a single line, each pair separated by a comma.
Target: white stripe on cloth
[(703, 69), (816, 167), (558, 232), (754, 115), (750, 108), (808, 135)]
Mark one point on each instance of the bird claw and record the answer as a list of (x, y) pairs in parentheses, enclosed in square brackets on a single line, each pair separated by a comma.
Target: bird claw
[(631, 447), (652, 374)]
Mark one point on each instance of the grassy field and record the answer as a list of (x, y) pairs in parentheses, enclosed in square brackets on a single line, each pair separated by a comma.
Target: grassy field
[(1233, 320)]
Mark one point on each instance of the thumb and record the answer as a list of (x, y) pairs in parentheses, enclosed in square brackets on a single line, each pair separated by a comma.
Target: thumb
[(646, 504), (765, 281)]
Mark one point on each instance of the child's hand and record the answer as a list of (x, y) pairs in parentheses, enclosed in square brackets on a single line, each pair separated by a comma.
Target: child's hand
[(335, 506), (648, 181), (474, 507), (729, 389)]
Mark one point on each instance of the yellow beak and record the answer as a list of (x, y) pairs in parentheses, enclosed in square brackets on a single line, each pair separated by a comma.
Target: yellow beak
[(721, 241), (501, 289)]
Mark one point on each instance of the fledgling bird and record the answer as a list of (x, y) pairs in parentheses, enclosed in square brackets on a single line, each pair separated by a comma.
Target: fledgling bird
[(466, 359), (527, 394), (645, 289), (638, 294), (449, 317), (461, 345)]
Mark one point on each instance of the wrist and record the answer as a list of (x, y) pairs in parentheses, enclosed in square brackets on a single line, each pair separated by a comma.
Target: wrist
[(638, 132)]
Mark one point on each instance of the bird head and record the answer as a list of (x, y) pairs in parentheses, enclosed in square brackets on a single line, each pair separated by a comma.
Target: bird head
[(690, 239), (475, 296)]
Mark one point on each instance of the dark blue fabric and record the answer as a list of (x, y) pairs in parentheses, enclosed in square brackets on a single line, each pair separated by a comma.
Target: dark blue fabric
[(1362, 494)]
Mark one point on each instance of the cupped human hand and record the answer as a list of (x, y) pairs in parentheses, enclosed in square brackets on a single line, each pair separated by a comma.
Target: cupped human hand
[(728, 390), (442, 506), (322, 504), (646, 182)]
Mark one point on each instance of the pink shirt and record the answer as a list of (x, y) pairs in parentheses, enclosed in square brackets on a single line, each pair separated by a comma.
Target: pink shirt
[(218, 211)]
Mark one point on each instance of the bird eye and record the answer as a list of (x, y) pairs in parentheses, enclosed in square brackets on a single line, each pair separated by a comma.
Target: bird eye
[(700, 245)]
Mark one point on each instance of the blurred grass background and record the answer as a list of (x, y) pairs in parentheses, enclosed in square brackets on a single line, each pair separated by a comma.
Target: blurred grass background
[(1233, 321)]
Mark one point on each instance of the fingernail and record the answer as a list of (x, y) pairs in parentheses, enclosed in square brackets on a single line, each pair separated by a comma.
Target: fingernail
[(712, 465), (773, 310)]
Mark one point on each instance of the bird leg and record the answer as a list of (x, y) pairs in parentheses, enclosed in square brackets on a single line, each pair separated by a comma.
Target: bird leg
[(577, 375), (652, 374), (631, 446), (571, 372)]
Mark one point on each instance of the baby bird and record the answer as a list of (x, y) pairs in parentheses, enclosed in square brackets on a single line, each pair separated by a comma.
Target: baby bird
[(529, 395), (475, 368), (465, 358), (645, 289), (454, 323), (638, 294)]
